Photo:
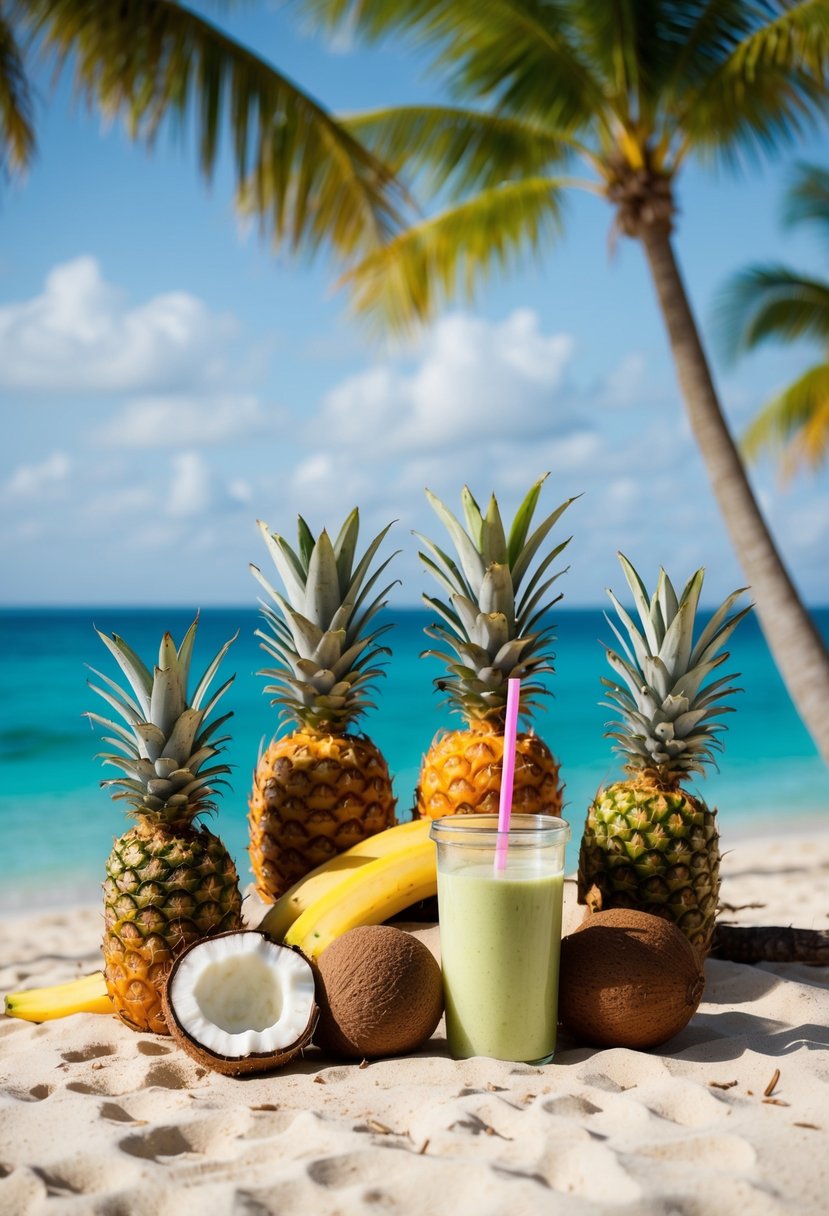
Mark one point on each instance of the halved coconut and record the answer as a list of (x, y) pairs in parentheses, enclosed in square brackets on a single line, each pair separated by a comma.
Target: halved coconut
[(238, 1002)]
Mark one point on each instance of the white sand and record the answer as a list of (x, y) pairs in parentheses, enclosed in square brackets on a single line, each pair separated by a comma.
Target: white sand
[(97, 1119)]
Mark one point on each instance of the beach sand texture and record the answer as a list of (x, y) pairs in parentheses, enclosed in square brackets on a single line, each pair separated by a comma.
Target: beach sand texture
[(97, 1119)]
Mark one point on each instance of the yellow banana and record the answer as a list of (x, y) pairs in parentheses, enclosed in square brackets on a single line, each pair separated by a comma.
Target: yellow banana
[(314, 885), (370, 895), (86, 995)]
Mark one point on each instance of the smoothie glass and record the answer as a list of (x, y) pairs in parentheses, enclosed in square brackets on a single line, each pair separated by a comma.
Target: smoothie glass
[(500, 933)]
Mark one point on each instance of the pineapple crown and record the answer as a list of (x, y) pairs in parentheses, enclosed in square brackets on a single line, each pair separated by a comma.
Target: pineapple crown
[(492, 632), (165, 744), (668, 708), (327, 659)]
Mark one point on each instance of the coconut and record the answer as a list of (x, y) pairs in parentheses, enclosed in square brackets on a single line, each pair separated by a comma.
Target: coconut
[(628, 979), (238, 1002), (380, 994)]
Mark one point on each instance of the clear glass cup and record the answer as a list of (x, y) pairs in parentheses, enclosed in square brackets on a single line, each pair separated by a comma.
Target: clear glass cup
[(500, 933)]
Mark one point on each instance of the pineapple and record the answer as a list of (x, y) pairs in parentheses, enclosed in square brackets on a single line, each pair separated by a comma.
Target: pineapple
[(169, 881), (648, 843), (322, 788), (490, 634)]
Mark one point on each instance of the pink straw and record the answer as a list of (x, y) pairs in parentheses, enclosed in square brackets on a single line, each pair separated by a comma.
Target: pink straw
[(508, 773)]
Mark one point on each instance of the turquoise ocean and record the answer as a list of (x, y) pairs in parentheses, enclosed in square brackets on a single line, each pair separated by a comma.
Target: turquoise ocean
[(57, 824)]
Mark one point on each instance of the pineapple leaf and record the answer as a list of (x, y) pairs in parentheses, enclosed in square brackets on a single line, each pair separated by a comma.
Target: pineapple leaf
[(638, 643), (288, 566), (540, 571), (494, 541), (474, 519), (529, 626), (306, 635), (535, 541), (495, 594), (272, 592), (140, 679), (179, 744), (365, 561), (454, 585), (640, 599), (125, 738), (305, 544), (322, 589), (123, 697), (666, 597), (329, 648), (521, 523), (212, 667), (530, 603), (716, 634), (217, 695), (127, 711), (345, 546), (185, 653), (675, 650), (152, 738), (471, 561)]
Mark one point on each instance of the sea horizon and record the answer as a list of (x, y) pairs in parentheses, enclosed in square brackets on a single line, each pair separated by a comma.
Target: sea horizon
[(58, 824)]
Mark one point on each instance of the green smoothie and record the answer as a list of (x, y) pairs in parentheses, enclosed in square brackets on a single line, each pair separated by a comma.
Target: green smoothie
[(500, 935)]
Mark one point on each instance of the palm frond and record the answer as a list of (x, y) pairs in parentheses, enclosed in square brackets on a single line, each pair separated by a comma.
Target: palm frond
[(507, 51), (794, 423), (767, 91), (306, 178), (17, 136), (807, 198), (770, 302), (403, 282), (460, 149)]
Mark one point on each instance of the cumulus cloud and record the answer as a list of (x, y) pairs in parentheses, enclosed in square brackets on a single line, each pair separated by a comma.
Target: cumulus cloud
[(474, 381), (179, 421), (191, 489), (81, 335), (30, 480)]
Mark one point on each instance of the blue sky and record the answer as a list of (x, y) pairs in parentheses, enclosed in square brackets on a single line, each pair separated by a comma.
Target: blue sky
[(166, 379)]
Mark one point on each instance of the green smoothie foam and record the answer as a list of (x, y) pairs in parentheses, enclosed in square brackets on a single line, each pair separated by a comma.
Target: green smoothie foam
[(500, 935)]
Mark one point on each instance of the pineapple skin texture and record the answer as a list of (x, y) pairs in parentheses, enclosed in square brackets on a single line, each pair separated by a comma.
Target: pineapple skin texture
[(461, 775), (655, 849), (165, 888), (314, 795)]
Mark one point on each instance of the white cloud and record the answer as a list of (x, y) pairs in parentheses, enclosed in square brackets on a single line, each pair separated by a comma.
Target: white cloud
[(80, 335), (173, 421), (624, 385), (30, 480), (191, 488), (475, 382)]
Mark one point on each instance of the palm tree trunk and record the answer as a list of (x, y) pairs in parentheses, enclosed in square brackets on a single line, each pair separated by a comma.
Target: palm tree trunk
[(793, 639)]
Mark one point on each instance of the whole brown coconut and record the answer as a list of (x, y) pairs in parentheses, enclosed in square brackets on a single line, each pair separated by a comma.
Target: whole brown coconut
[(628, 979), (380, 993)]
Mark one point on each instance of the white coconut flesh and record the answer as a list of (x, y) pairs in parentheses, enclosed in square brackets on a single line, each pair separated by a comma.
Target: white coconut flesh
[(241, 995)]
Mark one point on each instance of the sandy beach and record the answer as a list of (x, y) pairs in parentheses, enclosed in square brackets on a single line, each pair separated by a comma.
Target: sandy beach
[(97, 1119)]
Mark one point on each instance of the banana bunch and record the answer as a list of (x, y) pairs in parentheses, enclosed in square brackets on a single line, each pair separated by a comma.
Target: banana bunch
[(86, 995), (368, 896), (311, 888), (365, 885)]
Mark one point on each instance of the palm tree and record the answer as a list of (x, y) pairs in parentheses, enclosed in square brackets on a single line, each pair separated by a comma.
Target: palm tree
[(303, 175), (773, 302), (631, 89)]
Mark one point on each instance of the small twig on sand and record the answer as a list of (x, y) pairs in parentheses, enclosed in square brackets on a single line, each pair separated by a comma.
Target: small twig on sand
[(769, 1090), (738, 907)]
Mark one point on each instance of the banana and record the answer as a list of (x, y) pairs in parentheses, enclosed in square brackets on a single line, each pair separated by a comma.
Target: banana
[(314, 885), (370, 895), (86, 995)]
